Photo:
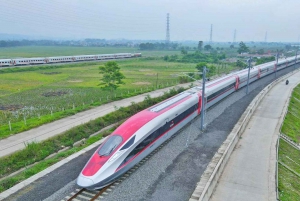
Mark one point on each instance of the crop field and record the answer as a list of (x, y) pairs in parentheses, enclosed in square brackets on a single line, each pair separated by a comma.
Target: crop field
[(34, 95), (289, 157), (45, 91), (48, 51)]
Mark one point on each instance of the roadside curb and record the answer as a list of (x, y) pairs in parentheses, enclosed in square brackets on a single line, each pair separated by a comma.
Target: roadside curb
[(213, 172)]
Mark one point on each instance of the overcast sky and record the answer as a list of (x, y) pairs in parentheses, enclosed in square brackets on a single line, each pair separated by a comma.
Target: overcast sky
[(146, 19)]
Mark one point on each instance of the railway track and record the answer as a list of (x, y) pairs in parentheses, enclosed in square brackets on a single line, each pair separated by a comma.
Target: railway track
[(97, 195)]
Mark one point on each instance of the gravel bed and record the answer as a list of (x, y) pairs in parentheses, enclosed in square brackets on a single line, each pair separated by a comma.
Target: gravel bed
[(170, 174)]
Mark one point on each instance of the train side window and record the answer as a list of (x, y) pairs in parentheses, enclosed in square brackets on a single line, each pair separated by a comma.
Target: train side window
[(128, 144)]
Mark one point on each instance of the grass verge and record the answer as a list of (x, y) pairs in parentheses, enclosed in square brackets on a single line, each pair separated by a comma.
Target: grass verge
[(288, 156)]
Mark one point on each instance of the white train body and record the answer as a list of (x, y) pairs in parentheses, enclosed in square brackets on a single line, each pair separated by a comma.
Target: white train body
[(6, 62), (62, 59), (142, 133), (29, 61)]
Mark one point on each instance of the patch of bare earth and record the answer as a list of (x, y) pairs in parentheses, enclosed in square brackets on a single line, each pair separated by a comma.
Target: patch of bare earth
[(51, 73), (74, 81), (54, 93), (141, 83), (10, 107)]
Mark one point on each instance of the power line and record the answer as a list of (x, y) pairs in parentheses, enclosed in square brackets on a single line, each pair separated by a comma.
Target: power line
[(234, 36), (210, 40), (266, 37)]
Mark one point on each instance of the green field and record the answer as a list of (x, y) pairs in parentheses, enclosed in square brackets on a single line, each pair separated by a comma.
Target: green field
[(32, 92), (44, 91), (289, 157), (47, 51)]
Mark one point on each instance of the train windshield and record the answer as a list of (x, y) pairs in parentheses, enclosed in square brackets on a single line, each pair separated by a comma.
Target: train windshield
[(110, 145)]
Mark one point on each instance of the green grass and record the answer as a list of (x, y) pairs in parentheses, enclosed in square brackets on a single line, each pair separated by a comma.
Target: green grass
[(36, 95), (291, 125), (289, 183)]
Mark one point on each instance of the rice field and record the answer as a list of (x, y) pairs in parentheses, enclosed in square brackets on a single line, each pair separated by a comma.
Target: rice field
[(45, 91)]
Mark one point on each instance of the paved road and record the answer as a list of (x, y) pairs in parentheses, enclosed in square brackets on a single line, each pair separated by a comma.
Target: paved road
[(250, 172), (18, 141)]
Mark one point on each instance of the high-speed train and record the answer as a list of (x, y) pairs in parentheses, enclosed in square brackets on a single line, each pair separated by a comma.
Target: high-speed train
[(145, 131), (62, 59)]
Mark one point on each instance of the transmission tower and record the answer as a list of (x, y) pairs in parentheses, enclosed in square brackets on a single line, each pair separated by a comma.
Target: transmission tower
[(266, 37), (168, 29), (234, 36), (211, 32)]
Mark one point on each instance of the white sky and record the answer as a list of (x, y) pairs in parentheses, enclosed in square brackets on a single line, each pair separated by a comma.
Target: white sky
[(146, 19)]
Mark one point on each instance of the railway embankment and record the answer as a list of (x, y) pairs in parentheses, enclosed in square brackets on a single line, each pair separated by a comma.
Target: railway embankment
[(288, 159)]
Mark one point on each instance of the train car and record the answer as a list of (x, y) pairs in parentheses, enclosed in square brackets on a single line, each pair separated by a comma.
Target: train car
[(265, 69), (29, 61), (85, 57), (106, 56), (136, 55), (220, 88), (6, 62), (60, 59), (137, 137), (122, 55)]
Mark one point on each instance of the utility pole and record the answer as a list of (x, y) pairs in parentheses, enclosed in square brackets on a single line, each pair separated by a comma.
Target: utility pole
[(203, 98), (168, 29), (249, 66), (296, 57), (277, 55)]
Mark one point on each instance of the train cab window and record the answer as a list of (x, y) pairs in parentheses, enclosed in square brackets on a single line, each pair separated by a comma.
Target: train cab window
[(110, 145), (128, 144)]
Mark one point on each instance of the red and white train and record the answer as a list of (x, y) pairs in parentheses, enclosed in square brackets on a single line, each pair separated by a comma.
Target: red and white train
[(145, 131), (62, 59)]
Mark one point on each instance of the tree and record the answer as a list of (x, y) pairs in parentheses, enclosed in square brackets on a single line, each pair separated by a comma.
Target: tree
[(243, 48), (207, 47), (260, 51), (200, 66), (111, 76), (241, 64), (200, 45), (231, 46), (166, 58), (183, 51)]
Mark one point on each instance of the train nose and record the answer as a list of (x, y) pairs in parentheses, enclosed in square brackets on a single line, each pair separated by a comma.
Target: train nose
[(84, 182)]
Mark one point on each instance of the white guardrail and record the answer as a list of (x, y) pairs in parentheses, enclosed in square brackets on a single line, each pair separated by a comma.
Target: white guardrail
[(211, 175)]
